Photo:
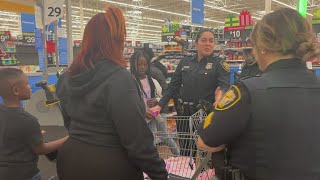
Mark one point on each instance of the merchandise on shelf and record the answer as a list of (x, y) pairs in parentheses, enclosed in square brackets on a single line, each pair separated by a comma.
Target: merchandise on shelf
[(7, 53), (238, 43), (171, 61), (30, 69), (234, 55), (169, 48)]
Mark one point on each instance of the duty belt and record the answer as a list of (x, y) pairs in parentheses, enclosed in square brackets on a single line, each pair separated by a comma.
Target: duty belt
[(228, 173)]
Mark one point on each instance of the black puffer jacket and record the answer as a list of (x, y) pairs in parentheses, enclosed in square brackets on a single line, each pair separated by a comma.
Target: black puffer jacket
[(103, 107)]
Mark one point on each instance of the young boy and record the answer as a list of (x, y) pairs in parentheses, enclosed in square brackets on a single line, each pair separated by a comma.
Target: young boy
[(21, 139)]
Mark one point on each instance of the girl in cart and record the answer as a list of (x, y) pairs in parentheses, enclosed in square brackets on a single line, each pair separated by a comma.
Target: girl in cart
[(151, 90)]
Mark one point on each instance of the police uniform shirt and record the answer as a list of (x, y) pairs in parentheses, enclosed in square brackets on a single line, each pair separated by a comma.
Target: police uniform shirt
[(198, 79), (270, 123)]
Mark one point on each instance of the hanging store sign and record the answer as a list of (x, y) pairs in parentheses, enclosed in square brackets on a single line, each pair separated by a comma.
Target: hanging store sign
[(245, 18), (197, 12), (53, 10), (28, 22), (28, 38), (237, 32), (168, 37)]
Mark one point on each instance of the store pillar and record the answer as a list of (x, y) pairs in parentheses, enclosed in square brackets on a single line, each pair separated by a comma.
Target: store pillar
[(69, 32), (268, 6)]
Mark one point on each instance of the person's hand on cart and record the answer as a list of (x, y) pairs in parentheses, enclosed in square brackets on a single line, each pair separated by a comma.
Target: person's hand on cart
[(156, 108), (149, 115)]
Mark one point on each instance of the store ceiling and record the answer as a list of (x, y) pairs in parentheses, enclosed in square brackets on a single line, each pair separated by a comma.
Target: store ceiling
[(145, 17)]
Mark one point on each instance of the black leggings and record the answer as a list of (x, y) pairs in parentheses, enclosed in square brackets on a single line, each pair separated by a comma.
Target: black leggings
[(82, 161)]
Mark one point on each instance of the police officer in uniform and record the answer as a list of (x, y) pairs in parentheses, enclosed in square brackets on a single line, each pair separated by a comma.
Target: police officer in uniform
[(250, 66), (196, 78), (270, 124)]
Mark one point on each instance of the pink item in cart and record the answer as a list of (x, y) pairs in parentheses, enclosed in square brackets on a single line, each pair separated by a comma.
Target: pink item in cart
[(205, 175), (180, 166), (155, 113)]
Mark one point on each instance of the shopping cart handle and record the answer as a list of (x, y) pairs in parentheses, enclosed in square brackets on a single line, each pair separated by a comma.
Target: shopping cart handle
[(205, 105), (41, 83)]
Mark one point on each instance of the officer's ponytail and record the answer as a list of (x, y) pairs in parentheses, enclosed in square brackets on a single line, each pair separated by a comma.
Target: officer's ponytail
[(286, 32)]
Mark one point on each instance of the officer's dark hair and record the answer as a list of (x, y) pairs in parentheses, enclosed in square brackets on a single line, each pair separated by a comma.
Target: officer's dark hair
[(203, 31), (134, 61), (149, 52), (286, 32), (8, 76)]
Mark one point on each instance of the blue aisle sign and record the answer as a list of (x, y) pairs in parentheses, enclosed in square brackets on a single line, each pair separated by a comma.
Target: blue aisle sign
[(41, 59), (63, 52), (28, 22), (38, 39), (197, 12)]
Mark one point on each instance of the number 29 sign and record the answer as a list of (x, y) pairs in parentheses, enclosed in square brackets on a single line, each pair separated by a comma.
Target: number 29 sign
[(53, 10)]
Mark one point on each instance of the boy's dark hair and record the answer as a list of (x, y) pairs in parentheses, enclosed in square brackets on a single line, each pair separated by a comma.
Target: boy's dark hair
[(7, 75), (134, 70), (149, 52)]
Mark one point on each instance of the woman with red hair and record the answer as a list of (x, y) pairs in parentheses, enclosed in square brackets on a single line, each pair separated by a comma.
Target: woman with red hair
[(103, 110)]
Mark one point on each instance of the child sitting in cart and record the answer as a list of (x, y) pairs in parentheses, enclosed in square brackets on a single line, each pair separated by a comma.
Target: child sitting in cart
[(21, 139), (151, 90)]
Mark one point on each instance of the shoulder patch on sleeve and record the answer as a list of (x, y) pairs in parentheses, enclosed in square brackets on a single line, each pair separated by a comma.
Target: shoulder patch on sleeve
[(208, 120), (230, 98), (225, 65)]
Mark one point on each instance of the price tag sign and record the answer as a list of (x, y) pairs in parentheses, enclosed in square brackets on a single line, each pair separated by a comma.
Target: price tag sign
[(28, 38), (77, 43), (242, 32), (4, 35), (168, 37), (316, 30), (128, 44), (138, 44), (53, 10)]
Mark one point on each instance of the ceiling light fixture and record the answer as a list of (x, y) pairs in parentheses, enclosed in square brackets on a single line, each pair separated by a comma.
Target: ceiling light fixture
[(156, 10), (288, 6)]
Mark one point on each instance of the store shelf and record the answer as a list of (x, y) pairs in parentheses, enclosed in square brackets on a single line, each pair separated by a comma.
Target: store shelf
[(172, 50), (9, 52), (235, 60), (237, 49)]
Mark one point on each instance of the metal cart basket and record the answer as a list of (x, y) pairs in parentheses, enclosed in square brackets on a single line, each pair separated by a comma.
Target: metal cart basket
[(193, 163)]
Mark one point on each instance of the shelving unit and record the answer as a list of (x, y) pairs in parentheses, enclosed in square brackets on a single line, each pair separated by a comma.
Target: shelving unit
[(237, 61), (238, 49)]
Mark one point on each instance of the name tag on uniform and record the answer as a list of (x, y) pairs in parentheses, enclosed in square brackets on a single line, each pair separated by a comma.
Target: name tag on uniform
[(185, 67), (209, 66)]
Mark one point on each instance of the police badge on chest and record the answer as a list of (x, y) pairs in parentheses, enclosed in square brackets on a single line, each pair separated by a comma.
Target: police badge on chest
[(209, 66)]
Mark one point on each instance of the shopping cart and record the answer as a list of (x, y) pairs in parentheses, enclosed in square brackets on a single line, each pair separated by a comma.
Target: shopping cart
[(193, 163)]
